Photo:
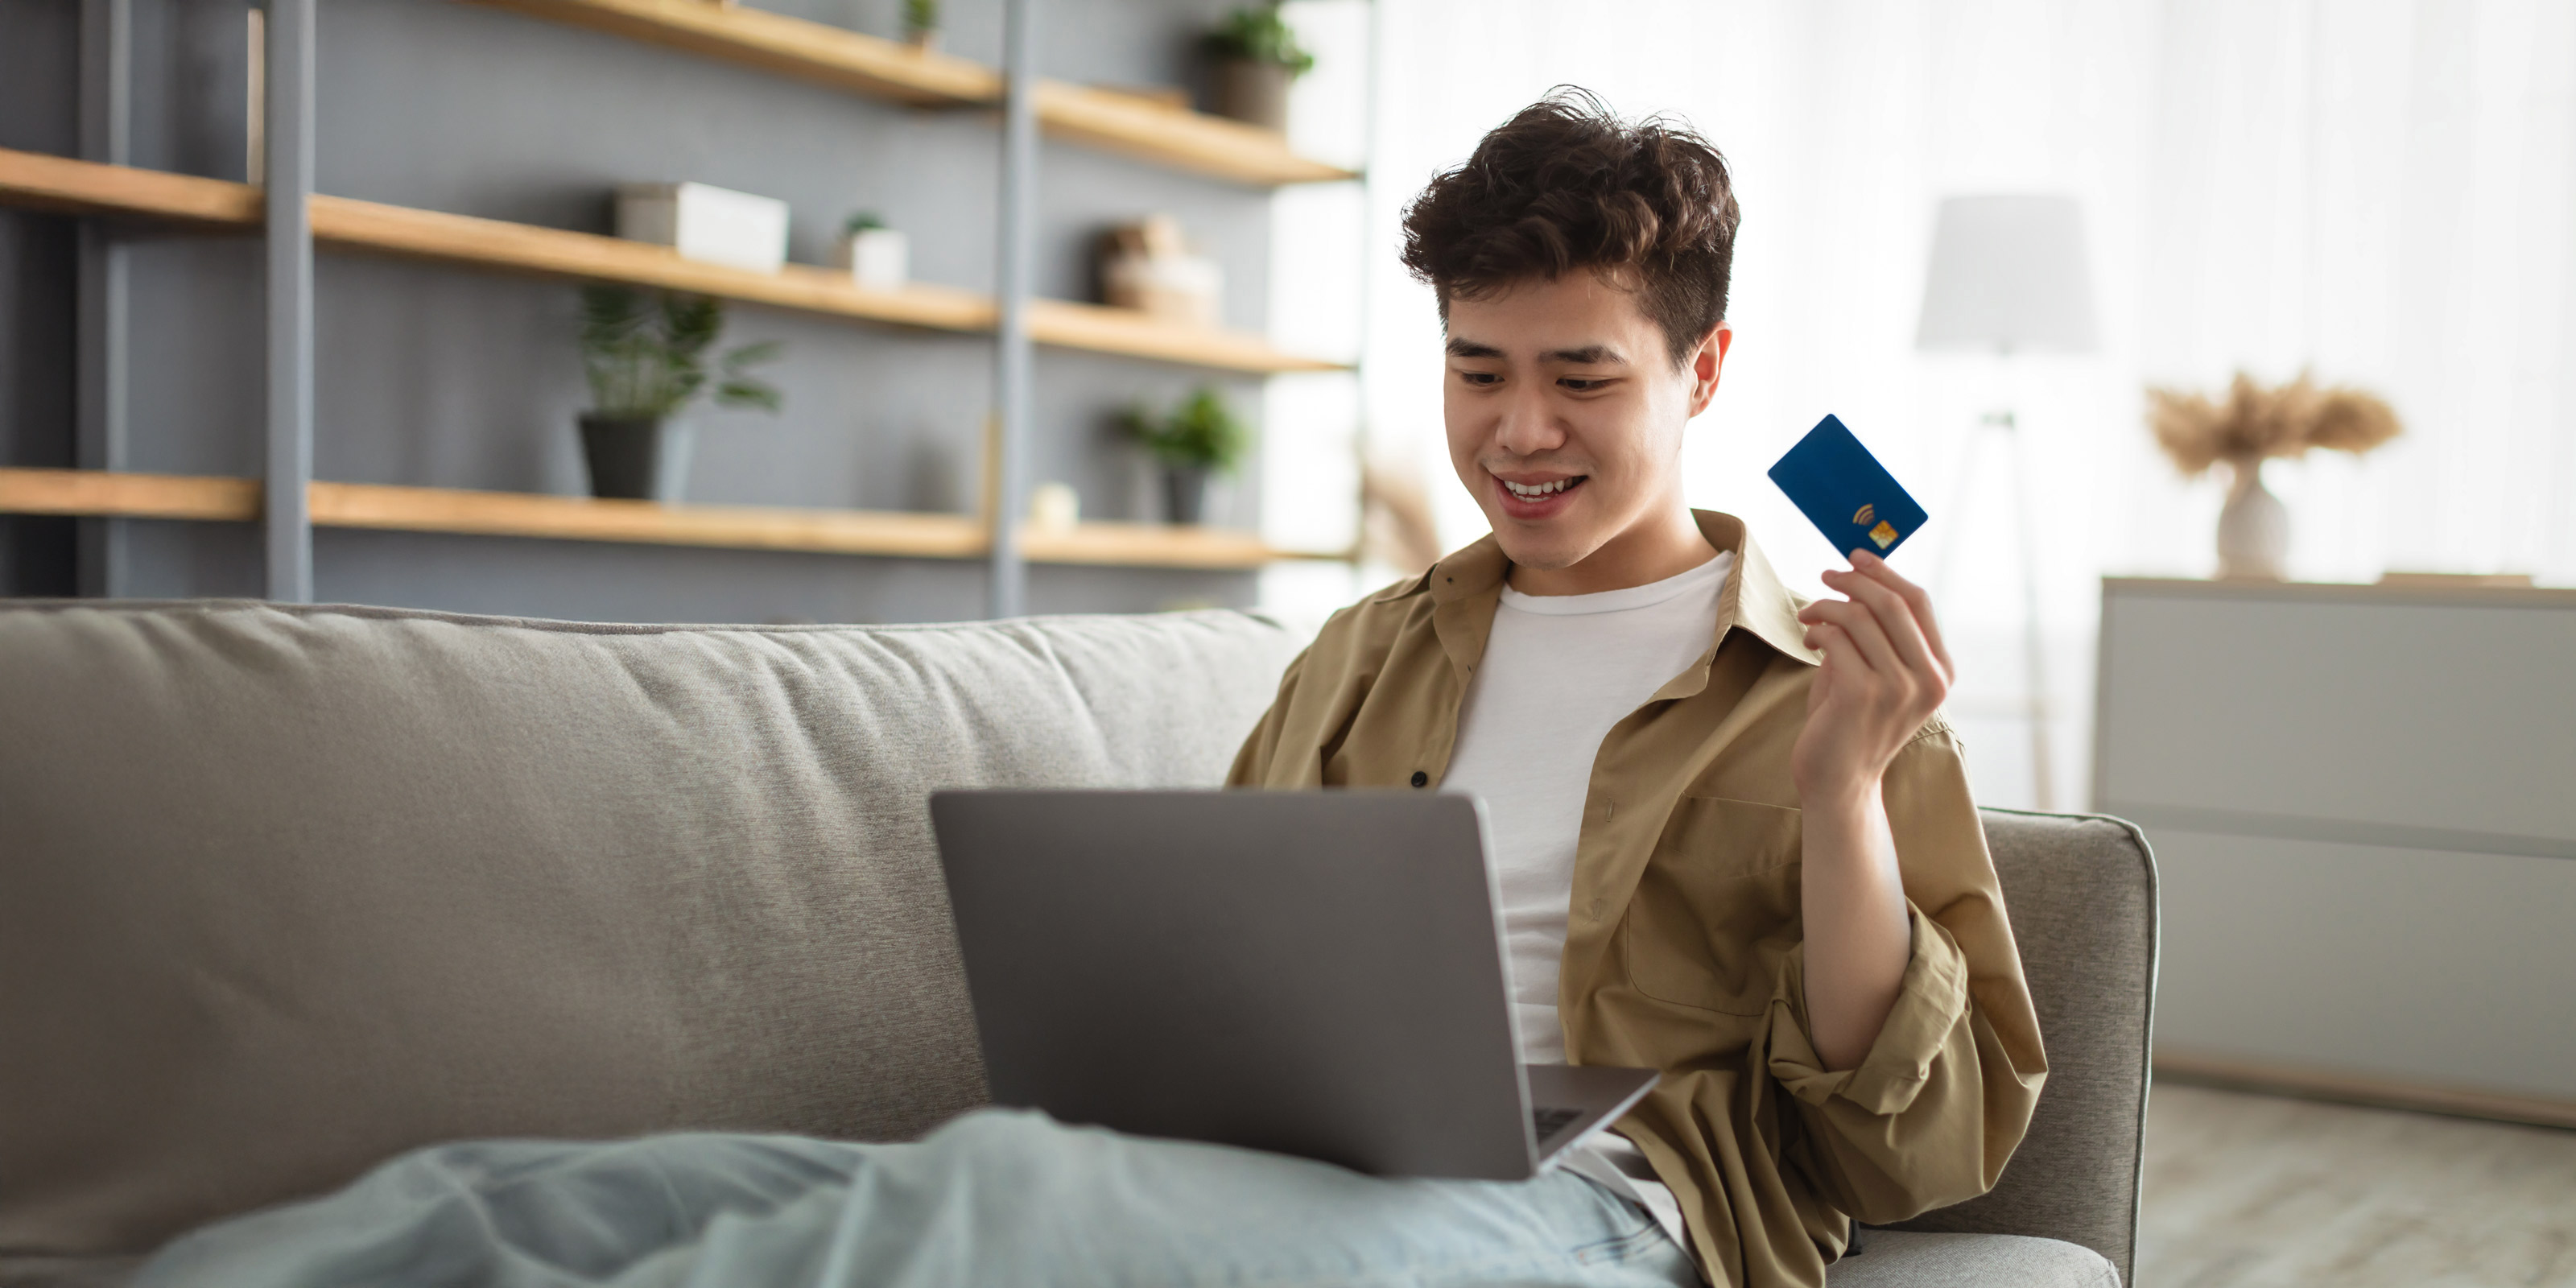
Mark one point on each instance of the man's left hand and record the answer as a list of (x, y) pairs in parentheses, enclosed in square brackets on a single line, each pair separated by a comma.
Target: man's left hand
[(1885, 673)]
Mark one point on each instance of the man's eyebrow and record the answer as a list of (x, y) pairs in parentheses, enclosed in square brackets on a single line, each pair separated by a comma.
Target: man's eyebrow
[(1590, 355), (1472, 349)]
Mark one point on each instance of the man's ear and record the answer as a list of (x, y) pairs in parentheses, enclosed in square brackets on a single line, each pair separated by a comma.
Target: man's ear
[(1706, 362)]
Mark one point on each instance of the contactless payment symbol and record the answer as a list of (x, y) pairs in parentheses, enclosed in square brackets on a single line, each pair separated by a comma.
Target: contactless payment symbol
[(1845, 492)]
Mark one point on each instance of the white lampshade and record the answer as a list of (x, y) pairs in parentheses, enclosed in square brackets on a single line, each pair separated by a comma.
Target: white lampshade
[(2008, 274)]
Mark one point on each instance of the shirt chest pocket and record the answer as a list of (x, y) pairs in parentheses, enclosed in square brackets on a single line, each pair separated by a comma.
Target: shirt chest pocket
[(1716, 910)]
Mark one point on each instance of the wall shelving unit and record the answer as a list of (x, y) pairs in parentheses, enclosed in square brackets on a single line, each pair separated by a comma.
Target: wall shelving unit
[(289, 503)]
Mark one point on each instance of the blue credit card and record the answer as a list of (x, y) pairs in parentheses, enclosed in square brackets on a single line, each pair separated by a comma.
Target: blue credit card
[(1849, 496)]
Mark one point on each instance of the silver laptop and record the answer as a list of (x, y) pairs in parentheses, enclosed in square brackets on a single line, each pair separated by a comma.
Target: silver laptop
[(1312, 973)]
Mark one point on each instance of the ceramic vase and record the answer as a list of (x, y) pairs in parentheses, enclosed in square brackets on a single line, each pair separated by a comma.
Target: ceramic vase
[(878, 258), (1054, 507), (644, 458), (2253, 529)]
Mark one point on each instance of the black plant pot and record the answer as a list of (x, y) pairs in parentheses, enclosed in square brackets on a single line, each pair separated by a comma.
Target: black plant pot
[(1184, 493), (643, 458), (1253, 92)]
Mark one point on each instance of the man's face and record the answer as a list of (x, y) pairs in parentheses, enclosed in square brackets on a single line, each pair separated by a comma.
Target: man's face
[(1565, 413)]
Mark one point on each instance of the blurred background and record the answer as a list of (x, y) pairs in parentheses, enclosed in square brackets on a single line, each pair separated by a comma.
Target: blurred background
[(2230, 345), (2373, 192)]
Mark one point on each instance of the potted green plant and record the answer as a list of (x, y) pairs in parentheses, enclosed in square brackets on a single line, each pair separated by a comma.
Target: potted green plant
[(1257, 57), (921, 24), (646, 356), (1199, 437)]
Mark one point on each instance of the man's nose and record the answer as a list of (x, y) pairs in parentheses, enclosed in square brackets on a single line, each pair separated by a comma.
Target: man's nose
[(1528, 423)]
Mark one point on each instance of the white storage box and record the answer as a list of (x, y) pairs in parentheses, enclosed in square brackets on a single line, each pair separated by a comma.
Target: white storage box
[(704, 222)]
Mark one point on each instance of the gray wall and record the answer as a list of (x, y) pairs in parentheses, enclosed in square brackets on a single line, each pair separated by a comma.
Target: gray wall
[(451, 377)]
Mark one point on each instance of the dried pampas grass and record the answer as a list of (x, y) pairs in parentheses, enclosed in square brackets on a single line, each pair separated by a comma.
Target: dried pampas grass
[(2253, 422)]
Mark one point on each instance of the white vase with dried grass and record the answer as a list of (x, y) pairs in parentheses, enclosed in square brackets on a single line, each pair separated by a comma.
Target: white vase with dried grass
[(2251, 425), (2253, 527)]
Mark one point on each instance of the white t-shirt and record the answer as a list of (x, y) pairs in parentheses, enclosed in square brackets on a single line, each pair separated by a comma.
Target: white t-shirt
[(1558, 672)]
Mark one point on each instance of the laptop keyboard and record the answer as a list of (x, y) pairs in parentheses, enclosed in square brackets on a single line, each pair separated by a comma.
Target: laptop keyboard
[(1548, 1122)]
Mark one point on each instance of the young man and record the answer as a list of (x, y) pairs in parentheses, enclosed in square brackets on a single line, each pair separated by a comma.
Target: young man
[(1734, 840), (1731, 818)]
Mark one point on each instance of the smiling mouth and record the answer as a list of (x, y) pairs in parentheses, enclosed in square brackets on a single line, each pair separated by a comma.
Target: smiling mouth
[(1540, 491)]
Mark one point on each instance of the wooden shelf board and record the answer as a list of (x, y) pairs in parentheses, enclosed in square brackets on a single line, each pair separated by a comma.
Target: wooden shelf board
[(1101, 329), (465, 239), (345, 223), (1136, 127), (42, 181), (139, 496), (492, 243), (1125, 124), (575, 518), (1148, 545), (834, 56)]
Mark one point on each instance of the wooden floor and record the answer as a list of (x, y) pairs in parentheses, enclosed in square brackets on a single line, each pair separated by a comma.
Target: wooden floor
[(2249, 1191)]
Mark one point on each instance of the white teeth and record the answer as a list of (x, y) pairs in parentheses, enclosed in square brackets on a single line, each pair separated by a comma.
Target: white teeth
[(1535, 491)]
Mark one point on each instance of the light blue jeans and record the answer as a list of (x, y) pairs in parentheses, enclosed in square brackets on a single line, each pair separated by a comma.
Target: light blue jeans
[(994, 1197)]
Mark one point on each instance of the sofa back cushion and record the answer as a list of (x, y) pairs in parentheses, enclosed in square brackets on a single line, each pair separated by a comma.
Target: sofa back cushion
[(284, 891)]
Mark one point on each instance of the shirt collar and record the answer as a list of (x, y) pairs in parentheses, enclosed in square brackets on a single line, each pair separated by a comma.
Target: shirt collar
[(1753, 598)]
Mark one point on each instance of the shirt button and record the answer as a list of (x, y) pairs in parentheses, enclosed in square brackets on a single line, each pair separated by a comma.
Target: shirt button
[(1421, 779)]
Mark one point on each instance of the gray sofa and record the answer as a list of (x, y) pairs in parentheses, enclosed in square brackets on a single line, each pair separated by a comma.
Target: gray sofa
[(284, 891)]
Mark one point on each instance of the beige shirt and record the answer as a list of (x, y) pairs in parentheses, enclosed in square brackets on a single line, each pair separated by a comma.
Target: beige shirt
[(1683, 944)]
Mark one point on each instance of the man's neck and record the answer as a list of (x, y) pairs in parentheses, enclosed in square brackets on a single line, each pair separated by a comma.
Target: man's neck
[(1665, 546)]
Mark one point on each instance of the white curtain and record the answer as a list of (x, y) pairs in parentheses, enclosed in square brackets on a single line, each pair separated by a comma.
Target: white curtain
[(2378, 190)]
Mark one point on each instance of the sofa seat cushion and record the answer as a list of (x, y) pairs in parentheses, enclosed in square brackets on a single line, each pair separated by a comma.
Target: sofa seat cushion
[(1905, 1259)]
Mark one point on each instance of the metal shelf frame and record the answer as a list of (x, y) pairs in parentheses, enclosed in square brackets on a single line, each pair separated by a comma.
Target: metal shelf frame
[(286, 132)]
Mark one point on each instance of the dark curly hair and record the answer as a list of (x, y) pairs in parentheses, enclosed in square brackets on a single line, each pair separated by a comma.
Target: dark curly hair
[(1566, 184)]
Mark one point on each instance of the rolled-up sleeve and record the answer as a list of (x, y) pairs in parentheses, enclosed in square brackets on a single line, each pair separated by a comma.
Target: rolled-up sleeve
[(1935, 1108), (1929, 1007)]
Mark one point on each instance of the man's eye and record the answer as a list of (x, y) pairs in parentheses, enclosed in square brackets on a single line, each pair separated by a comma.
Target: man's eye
[(1582, 384), (1480, 377)]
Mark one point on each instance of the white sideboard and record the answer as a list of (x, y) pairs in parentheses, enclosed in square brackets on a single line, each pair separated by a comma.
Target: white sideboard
[(2362, 802)]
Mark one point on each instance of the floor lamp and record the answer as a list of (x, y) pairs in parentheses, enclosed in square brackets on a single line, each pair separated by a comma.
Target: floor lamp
[(2008, 277)]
